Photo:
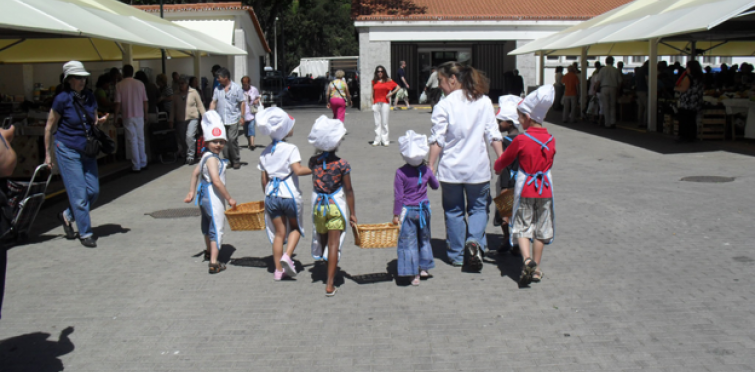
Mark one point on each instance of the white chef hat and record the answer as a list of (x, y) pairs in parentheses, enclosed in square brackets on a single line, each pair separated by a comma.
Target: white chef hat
[(413, 147), (507, 109), (326, 133), (212, 126), (274, 122), (537, 103)]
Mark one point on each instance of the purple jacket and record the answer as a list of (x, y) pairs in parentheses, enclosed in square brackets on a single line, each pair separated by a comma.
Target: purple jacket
[(407, 188)]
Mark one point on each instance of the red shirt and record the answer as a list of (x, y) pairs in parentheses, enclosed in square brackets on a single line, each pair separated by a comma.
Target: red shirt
[(381, 90), (531, 159)]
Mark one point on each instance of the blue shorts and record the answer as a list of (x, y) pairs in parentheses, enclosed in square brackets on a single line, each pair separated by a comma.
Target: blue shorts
[(250, 128), (208, 224), (280, 207)]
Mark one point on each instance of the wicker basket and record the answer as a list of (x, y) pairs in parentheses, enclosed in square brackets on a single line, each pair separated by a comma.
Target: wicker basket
[(505, 203), (379, 235), (247, 216)]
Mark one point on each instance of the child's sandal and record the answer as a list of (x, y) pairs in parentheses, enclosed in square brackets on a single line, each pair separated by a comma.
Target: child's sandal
[(215, 268), (537, 276)]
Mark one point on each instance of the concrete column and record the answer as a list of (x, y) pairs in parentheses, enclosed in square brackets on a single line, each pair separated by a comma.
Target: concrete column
[(128, 56), (583, 79), (239, 62), (653, 85), (371, 54), (527, 65), (27, 72), (541, 69)]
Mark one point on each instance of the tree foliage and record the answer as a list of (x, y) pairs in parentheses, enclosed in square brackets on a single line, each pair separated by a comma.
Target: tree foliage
[(306, 28)]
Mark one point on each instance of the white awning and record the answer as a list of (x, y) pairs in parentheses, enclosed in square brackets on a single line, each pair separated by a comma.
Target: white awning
[(679, 22), (220, 30), (60, 30)]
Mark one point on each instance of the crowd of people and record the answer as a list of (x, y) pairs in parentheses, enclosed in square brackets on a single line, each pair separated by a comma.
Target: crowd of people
[(454, 158)]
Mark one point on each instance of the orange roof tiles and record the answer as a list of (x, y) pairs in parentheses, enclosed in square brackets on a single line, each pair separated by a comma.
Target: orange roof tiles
[(210, 7), (418, 10)]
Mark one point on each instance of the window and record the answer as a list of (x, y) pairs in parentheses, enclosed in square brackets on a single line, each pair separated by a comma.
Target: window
[(726, 60), (553, 58), (591, 58), (679, 59), (638, 59), (571, 58), (709, 59)]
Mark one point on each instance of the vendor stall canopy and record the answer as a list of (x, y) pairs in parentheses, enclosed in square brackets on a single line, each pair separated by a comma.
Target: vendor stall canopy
[(711, 27), (94, 30)]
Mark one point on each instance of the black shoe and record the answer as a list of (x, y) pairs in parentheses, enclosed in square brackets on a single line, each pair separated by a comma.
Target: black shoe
[(189, 161), (67, 227), (88, 242), (505, 246), (472, 257)]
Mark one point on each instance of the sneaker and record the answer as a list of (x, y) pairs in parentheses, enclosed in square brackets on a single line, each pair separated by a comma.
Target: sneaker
[(288, 265), (415, 281), (375, 143), (457, 264), (473, 256), (189, 161), (386, 144), (278, 275)]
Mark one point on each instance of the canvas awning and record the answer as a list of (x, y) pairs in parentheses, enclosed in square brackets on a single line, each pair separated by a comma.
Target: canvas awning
[(94, 30), (718, 27)]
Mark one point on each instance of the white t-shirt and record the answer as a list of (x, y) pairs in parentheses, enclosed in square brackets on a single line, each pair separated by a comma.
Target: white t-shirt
[(464, 129), (278, 164)]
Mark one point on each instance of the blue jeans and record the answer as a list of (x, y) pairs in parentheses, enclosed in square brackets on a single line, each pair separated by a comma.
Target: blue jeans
[(82, 182), (250, 128), (458, 198), (414, 250)]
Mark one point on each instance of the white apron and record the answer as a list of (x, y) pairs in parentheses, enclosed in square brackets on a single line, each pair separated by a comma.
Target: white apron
[(284, 186), (523, 178), (216, 207), (320, 252)]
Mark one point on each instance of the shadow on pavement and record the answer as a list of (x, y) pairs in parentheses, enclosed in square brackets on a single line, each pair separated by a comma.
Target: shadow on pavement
[(509, 265), (109, 229), (628, 133), (319, 273), (34, 352), (226, 251), (373, 278)]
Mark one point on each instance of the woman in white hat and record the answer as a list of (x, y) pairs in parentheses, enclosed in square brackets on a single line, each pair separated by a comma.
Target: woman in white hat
[(463, 125), (73, 112)]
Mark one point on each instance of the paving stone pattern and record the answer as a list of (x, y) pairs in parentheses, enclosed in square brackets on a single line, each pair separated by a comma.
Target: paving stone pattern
[(647, 273)]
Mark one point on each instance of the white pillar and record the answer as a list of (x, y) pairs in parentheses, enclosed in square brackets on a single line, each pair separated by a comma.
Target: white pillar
[(198, 66), (653, 85), (583, 79), (128, 55), (541, 69), (239, 62)]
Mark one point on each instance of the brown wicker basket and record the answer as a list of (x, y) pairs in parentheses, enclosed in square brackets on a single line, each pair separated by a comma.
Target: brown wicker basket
[(505, 203), (379, 235), (247, 216)]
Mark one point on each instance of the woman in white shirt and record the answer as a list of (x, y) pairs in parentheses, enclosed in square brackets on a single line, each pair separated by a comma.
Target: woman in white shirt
[(463, 125)]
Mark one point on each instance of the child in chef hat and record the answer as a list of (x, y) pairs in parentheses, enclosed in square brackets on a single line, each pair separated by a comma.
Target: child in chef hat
[(508, 122), (534, 219), (411, 208), (280, 163), (331, 195), (211, 192)]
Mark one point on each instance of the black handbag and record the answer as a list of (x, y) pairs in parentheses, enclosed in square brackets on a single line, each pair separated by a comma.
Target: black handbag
[(98, 140)]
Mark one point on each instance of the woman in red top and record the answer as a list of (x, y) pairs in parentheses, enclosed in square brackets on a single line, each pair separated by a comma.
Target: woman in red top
[(382, 89)]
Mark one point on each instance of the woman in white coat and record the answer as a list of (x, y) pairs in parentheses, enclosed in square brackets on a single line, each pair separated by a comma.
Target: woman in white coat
[(463, 125)]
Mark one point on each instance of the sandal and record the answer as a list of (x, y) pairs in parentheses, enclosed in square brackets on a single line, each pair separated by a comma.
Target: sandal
[(537, 276), (331, 294), (67, 228), (424, 274), (529, 267), (215, 268)]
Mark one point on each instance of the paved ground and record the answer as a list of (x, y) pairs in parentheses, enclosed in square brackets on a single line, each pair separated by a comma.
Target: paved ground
[(647, 273)]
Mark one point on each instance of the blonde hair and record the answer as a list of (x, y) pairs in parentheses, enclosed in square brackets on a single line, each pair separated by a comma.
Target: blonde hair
[(473, 82), (340, 74)]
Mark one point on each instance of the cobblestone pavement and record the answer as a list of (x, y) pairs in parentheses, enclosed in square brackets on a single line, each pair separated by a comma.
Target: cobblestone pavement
[(647, 273)]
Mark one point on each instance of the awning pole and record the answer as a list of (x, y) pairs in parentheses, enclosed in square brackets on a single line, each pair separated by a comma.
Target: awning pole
[(541, 74), (198, 66), (583, 79), (162, 51), (653, 85)]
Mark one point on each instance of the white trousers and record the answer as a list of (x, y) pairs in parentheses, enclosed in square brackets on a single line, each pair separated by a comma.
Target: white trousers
[(381, 111), (570, 108), (608, 104), (134, 128)]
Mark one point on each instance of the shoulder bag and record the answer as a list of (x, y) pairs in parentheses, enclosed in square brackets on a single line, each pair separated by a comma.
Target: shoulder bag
[(98, 140)]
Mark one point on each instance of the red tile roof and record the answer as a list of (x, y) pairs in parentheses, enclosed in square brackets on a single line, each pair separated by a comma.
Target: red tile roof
[(460, 10), (174, 8)]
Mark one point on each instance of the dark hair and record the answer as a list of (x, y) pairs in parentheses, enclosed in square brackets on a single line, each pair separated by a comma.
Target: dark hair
[(385, 74), (103, 80), (215, 68), (609, 60), (142, 76), (473, 82), (695, 69), (62, 75), (174, 74), (248, 78), (114, 71), (223, 72), (559, 69), (128, 71), (193, 78)]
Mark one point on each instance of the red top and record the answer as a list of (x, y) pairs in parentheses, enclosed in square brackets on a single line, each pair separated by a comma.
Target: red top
[(533, 158), (381, 90)]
